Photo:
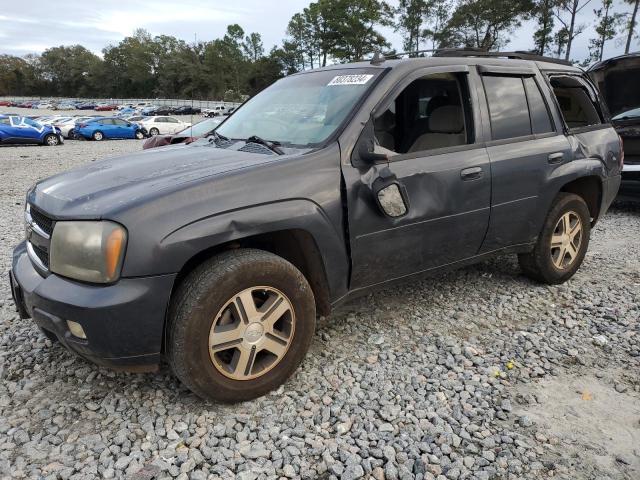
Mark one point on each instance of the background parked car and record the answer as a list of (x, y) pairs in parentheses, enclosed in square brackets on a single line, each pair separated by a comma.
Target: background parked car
[(105, 107), (215, 111), (187, 110), (165, 110), (67, 128), (163, 125), (22, 130), (189, 134), (106, 128), (617, 80)]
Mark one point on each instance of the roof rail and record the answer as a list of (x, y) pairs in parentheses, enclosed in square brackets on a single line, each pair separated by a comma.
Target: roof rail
[(478, 52)]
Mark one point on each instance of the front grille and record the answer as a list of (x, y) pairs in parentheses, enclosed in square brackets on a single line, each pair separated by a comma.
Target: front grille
[(40, 219), (42, 255)]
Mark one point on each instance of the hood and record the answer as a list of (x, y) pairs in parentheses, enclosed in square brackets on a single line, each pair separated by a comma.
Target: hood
[(116, 184), (617, 80)]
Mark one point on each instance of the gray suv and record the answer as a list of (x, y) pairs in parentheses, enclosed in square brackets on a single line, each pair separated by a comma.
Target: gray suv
[(217, 256)]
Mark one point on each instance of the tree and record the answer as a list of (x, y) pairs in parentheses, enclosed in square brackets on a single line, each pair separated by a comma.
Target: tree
[(253, 47), (543, 36), (484, 24), (437, 21), (606, 29), (411, 16), (632, 23), (571, 30)]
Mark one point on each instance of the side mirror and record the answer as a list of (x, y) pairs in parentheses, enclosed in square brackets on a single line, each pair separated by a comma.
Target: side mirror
[(392, 200)]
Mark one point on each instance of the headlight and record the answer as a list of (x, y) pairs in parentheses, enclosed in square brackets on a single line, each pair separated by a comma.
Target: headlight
[(88, 251)]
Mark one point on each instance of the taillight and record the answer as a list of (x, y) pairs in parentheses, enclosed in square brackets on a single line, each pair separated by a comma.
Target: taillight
[(621, 152)]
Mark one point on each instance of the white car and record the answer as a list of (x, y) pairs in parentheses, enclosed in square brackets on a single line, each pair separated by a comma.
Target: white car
[(215, 111), (163, 125), (67, 127)]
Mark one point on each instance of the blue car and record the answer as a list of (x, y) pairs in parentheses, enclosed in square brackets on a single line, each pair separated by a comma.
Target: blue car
[(102, 128), (15, 129)]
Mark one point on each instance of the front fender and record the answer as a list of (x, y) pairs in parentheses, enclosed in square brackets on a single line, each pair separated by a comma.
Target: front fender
[(179, 246)]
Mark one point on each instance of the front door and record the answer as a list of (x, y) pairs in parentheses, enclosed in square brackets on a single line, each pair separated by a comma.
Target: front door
[(427, 129)]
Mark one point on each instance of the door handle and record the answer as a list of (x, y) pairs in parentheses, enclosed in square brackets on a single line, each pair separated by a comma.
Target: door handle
[(471, 173), (557, 157)]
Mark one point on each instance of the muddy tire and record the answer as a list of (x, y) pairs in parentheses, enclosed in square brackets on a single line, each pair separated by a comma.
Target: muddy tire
[(239, 325), (562, 244)]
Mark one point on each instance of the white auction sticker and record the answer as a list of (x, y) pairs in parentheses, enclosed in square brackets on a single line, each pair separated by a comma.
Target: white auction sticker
[(350, 80)]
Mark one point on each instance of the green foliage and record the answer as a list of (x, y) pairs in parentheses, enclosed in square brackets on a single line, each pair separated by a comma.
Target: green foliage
[(485, 24), (544, 16), (606, 29), (142, 66)]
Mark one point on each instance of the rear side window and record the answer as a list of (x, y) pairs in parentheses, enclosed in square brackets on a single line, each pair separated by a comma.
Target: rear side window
[(577, 103), (540, 120), (508, 107)]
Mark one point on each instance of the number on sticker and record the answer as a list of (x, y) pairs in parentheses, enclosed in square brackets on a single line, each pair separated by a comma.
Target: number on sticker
[(350, 80)]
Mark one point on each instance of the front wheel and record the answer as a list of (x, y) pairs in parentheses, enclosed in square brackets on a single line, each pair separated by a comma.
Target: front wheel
[(98, 136), (563, 242), (239, 325), (139, 135), (51, 140)]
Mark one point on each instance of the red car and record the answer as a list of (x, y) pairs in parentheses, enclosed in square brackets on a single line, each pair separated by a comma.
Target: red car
[(5, 103), (105, 108)]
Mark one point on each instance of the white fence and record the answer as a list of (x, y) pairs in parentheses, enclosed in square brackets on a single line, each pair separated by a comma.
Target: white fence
[(172, 102)]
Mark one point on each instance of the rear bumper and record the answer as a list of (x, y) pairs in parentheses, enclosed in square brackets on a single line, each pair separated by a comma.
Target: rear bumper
[(123, 322), (610, 188)]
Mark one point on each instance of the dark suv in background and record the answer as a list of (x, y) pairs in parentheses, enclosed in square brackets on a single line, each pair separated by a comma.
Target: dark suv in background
[(618, 79), (218, 255)]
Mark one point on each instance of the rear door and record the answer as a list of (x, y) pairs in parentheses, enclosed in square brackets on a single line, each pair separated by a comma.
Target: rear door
[(525, 146)]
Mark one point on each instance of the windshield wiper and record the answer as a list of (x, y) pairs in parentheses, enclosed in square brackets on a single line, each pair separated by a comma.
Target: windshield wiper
[(273, 146)]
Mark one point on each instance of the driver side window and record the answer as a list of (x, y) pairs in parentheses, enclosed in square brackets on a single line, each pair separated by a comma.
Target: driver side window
[(431, 112)]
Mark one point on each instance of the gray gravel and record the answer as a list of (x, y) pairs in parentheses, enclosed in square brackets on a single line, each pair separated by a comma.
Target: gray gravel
[(443, 379)]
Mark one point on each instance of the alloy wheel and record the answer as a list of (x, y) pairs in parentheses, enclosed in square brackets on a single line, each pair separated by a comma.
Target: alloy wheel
[(566, 240), (252, 333)]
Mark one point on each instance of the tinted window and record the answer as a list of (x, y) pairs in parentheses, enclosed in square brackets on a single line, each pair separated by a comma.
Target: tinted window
[(428, 114), (540, 120), (576, 103), (118, 122), (171, 120), (507, 107)]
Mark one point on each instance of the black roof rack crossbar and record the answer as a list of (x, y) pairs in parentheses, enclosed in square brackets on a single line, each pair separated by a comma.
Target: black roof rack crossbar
[(477, 52)]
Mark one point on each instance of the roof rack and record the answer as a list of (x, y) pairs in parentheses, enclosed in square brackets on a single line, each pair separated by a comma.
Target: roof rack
[(478, 52)]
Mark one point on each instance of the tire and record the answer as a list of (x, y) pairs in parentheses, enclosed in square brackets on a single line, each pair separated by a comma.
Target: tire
[(139, 135), (98, 136), (554, 264), (206, 298), (71, 135), (51, 140), (154, 131)]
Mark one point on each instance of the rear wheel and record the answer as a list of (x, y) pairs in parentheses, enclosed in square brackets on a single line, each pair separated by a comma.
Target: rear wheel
[(98, 136), (71, 134), (239, 325), (154, 131), (51, 140), (139, 135), (563, 242)]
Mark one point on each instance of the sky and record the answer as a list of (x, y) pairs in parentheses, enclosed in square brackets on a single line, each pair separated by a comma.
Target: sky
[(25, 29)]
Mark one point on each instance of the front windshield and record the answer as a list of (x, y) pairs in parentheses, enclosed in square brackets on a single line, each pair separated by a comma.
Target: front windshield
[(301, 110), (201, 128)]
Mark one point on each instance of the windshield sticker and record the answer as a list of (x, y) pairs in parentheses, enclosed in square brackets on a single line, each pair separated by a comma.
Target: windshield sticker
[(350, 80)]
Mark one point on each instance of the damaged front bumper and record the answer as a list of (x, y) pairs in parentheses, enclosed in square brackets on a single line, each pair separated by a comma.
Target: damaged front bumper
[(123, 322)]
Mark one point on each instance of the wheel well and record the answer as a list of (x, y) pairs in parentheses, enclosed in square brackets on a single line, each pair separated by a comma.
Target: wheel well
[(295, 246), (590, 189)]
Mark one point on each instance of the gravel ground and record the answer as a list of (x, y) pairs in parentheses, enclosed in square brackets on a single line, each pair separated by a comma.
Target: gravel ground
[(477, 374)]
